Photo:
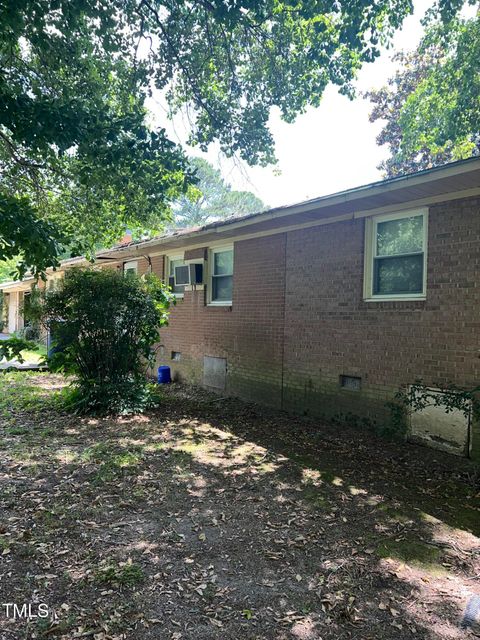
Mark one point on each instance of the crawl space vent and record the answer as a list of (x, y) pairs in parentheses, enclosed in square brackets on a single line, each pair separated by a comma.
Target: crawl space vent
[(352, 383), (214, 372)]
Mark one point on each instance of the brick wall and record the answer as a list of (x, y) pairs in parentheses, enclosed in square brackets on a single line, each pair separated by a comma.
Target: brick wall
[(258, 318), (331, 331), (249, 334), (298, 320)]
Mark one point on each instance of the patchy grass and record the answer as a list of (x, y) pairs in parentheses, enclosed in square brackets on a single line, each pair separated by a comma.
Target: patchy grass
[(111, 461), (314, 496), (126, 574), (210, 520), (29, 391), (37, 356), (414, 552)]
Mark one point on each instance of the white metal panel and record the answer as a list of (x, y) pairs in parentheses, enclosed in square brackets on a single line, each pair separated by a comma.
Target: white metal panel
[(214, 372), (436, 428)]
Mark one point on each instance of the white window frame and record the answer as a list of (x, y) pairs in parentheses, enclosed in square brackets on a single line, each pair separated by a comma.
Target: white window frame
[(211, 257), (370, 249), (169, 260), (131, 264)]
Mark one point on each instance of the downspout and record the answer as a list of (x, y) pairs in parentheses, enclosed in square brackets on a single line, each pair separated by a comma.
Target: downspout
[(149, 260), (284, 321)]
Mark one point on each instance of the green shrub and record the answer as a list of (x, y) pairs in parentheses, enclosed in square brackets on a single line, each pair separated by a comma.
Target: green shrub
[(103, 327), (32, 311), (11, 349)]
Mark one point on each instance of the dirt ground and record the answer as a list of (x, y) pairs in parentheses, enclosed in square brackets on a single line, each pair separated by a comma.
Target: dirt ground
[(215, 519)]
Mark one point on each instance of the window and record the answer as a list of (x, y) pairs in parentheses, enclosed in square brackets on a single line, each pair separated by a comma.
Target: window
[(173, 262), (221, 276), (130, 268), (53, 282), (395, 258)]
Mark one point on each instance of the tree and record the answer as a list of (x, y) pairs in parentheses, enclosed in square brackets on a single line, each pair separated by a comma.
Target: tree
[(7, 269), (23, 232), (431, 105), (79, 161), (216, 200), (103, 326)]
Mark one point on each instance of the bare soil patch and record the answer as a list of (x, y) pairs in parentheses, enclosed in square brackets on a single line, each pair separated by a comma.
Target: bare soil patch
[(215, 519)]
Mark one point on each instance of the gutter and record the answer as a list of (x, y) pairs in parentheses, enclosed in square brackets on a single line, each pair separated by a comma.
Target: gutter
[(342, 197)]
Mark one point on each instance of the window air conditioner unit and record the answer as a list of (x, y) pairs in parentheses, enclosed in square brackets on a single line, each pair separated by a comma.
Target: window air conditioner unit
[(189, 274), (182, 275), (196, 272)]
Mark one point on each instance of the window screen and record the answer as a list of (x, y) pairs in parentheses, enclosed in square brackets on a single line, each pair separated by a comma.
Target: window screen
[(182, 275), (130, 268), (178, 289), (222, 275), (398, 261)]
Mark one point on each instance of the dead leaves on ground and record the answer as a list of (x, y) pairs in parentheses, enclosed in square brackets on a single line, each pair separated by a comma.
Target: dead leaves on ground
[(129, 536)]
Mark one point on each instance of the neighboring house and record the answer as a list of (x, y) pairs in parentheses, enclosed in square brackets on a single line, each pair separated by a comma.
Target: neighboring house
[(329, 306), (15, 292)]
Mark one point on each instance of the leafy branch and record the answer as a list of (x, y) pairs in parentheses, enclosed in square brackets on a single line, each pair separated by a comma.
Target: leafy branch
[(418, 397)]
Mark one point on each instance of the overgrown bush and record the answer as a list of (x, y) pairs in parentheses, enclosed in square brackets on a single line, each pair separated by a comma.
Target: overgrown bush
[(419, 396), (103, 327)]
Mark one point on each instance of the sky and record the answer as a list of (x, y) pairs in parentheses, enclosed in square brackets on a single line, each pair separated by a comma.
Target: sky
[(327, 149)]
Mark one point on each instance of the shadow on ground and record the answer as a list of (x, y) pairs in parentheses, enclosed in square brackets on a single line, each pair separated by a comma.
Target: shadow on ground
[(215, 519)]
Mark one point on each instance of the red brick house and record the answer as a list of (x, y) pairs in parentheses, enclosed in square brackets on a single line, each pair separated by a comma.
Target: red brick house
[(329, 306)]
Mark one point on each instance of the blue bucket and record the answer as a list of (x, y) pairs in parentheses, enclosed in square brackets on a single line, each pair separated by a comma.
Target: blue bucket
[(164, 375)]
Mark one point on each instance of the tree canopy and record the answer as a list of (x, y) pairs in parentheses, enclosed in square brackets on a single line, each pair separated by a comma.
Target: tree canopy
[(7, 269), (216, 199), (79, 158), (431, 106)]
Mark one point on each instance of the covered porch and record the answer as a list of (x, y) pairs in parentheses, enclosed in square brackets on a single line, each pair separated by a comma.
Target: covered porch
[(13, 297)]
